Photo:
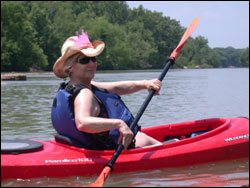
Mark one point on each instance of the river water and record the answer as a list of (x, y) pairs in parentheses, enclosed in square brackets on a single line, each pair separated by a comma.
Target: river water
[(187, 94)]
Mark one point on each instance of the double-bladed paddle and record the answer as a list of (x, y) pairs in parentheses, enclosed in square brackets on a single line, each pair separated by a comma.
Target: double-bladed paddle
[(109, 167)]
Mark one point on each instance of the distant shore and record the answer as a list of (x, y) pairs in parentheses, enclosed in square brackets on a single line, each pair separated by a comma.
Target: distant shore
[(5, 74), (130, 70), (8, 76)]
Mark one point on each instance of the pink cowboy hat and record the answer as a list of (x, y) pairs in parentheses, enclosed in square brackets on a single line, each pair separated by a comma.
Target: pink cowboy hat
[(74, 45)]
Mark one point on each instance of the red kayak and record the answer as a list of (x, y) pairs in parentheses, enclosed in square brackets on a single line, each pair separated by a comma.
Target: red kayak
[(194, 142)]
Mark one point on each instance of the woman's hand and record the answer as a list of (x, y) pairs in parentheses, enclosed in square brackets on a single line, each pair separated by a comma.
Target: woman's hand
[(154, 84), (126, 135)]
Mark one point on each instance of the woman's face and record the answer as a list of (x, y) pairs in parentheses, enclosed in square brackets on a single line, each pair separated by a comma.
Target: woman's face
[(84, 67)]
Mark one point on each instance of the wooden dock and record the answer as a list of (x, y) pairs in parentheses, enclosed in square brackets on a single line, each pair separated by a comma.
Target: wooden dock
[(13, 76)]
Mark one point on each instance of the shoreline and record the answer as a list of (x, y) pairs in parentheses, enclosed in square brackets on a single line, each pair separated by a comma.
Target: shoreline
[(22, 76), (108, 71)]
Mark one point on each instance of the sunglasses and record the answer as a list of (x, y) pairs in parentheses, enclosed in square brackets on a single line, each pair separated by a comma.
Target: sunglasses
[(86, 60)]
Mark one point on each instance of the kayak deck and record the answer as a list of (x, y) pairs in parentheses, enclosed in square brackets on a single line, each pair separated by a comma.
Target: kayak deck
[(223, 139)]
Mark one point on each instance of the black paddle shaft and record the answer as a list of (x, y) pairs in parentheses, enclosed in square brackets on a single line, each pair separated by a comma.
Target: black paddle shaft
[(140, 112)]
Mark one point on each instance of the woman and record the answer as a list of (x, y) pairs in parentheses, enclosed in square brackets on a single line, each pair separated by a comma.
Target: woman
[(92, 112)]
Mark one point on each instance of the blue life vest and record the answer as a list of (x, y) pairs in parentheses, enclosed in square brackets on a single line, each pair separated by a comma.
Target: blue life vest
[(63, 120)]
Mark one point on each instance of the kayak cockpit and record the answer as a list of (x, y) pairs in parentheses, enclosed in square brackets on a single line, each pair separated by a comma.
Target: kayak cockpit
[(187, 129), (170, 133)]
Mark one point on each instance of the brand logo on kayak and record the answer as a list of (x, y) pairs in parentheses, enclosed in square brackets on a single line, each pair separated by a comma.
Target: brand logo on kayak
[(69, 160), (246, 136)]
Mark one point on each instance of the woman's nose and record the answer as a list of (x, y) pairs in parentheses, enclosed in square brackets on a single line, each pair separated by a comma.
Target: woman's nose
[(91, 63)]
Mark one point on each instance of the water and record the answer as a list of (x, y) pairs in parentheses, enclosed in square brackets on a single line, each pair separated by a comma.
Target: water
[(185, 95)]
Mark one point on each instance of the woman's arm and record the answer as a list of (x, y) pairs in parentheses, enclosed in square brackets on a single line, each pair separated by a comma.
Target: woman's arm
[(128, 87), (86, 111)]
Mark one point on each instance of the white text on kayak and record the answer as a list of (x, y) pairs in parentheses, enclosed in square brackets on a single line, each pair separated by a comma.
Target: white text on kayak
[(69, 160), (246, 136)]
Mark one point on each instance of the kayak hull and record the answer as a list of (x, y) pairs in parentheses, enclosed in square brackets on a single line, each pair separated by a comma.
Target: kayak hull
[(227, 139)]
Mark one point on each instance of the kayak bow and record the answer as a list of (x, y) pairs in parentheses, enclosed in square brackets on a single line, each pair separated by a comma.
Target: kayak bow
[(200, 141)]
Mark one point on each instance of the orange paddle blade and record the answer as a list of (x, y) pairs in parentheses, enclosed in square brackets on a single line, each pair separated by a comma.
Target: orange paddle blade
[(101, 179), (184, 38)]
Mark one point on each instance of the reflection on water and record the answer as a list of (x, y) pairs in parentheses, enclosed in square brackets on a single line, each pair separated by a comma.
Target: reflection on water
[(221, 174), (185, 95)]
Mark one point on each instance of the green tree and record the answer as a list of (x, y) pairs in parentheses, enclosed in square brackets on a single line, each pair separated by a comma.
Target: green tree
[(19, 48), (165, 34), (115, 11), (244, 57), (140, 43), (32, 33), (229, 56), (46, 39), (196, 52), (116, 52)]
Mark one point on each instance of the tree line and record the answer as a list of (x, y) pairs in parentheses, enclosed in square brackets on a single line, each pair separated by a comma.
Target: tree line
[(32, 33)]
